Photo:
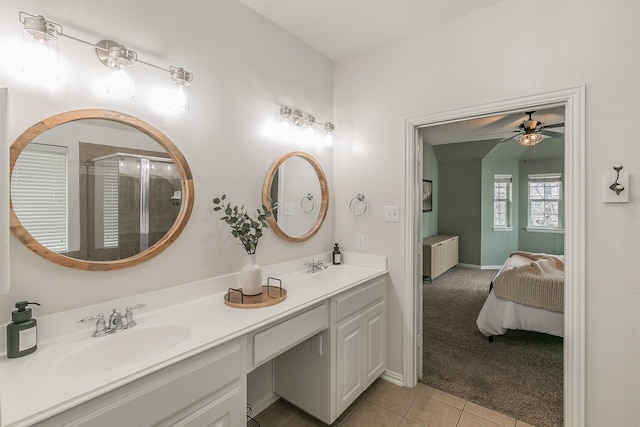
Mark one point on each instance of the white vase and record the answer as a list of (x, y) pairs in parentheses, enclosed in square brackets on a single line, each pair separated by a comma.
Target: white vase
[(251, 277)]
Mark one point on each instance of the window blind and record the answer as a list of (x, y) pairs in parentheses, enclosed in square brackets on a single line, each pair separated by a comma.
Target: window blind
[(39, 194)]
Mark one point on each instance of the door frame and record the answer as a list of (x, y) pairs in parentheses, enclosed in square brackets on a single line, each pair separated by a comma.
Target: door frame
[(573, 99)]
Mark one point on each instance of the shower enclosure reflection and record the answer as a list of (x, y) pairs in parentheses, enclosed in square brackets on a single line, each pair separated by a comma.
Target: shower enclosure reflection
[(130, 202), (98, 190)]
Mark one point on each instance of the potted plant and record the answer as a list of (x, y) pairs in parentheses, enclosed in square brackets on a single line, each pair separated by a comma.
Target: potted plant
[(247, 229)]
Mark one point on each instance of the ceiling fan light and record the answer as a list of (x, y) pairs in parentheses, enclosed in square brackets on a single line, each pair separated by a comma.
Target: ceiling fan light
[(530, 139)]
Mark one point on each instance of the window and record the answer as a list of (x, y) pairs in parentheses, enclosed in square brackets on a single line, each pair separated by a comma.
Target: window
[(39, 194), (502, 201), (545, 197)]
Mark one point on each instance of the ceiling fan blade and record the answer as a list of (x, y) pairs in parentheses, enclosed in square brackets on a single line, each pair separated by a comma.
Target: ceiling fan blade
[(552, 134), (498, 133), (555, 125), (511, 137)]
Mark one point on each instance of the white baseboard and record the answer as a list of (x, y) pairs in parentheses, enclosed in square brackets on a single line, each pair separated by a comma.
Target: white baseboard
[(393, 378), (480, 267), (474, 266), (263, 403)]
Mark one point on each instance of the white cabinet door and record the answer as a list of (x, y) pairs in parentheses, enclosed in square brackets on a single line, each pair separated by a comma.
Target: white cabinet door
[(218, 411), (350, 362), (375, 352), (212, 382)]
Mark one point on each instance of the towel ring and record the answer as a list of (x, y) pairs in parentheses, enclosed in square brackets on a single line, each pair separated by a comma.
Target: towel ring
[(360, 198), (309, 197)]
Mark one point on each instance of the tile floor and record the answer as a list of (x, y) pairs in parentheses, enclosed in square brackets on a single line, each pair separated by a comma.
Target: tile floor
[(385, 404)]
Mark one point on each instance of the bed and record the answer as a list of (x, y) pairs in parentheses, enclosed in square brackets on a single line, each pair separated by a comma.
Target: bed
[(530, 296)]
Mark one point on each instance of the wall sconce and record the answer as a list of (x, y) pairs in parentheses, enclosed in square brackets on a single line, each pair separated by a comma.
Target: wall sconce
[(119, 60), (300, 119)]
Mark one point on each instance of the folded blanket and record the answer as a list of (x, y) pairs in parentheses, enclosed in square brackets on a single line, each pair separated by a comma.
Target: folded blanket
[(539, 283)]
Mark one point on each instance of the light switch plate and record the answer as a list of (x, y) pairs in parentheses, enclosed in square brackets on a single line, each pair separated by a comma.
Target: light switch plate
[(392, 213), (610, 196), (288, 209)]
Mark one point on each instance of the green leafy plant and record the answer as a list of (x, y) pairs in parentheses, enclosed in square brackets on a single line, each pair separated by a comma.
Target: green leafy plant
[(245, 228)]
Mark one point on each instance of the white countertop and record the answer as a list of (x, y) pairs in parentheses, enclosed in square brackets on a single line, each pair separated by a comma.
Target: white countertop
[(192, 318)]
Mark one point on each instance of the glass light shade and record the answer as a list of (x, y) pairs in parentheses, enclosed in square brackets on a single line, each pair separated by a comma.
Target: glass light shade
[(530, 139), (40, 50), (120, 76), (180, 92), (328, 137)]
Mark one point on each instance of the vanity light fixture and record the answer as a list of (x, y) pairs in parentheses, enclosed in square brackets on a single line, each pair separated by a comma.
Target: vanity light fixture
[(40, 48), (299, 119), (328, 137), (119, 60)]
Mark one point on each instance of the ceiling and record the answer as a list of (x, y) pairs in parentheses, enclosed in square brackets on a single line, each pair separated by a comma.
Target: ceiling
[(490, 130), (343, 28), (494, 127)]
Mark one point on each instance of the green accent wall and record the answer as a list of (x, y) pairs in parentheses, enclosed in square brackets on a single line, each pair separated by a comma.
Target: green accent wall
[(430, 172), (462, 176), (497, 245), (460, 186), (460, 195), (551, 243)]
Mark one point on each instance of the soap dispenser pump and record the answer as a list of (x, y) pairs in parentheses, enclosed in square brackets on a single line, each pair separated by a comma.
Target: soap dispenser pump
[(336, 256), (22, 336)]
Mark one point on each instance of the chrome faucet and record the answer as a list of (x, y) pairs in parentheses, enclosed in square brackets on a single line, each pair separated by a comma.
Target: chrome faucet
[(315, 266), (117, 322)]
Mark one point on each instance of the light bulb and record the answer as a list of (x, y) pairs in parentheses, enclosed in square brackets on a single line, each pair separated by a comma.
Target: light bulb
[(120, 79)]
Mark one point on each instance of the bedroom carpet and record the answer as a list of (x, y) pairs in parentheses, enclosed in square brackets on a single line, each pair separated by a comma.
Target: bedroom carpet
[(520, 374)]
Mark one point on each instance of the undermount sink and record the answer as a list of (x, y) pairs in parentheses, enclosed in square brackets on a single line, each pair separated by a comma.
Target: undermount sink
[(120, 349), (335, 274)]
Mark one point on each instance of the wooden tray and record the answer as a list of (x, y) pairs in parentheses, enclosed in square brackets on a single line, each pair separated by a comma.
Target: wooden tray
[(269, 296)]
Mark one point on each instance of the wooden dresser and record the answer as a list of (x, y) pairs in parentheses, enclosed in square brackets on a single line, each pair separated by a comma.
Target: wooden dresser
[(440, 253)]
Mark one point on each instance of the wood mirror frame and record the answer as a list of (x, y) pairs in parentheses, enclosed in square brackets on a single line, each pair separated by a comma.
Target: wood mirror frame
[(181, 165), (324, 189)]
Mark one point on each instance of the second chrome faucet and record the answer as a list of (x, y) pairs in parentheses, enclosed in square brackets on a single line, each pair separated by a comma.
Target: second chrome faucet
[(315, 266), (117, 321)]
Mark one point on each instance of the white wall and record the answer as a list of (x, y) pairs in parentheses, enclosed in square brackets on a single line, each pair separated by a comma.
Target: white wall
[(492, 55), (244, 67)]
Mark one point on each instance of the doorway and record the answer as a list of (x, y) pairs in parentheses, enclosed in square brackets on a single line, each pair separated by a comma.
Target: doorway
[(574, 350)]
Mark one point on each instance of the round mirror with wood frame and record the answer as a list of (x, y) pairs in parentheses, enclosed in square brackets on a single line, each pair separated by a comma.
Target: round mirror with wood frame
[(296, 193), (177, 196)]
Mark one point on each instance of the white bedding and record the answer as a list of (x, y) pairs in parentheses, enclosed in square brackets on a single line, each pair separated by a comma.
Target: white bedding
[(498, 314)]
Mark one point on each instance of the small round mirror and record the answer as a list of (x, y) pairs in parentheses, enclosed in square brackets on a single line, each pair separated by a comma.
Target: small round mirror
[(98, 190), (296, 193)]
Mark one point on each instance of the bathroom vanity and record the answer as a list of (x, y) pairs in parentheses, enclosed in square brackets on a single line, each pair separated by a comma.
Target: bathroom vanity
[(186, 363)]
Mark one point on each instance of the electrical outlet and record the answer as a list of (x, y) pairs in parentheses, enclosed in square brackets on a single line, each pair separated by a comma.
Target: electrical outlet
[(316, 344), (392, 213), (360, 242)]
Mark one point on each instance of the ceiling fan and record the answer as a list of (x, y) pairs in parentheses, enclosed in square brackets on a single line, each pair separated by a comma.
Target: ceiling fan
[(531, 132)]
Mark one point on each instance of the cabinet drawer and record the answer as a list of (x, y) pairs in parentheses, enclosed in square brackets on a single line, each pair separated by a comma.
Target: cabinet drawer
[(159, 395), (277, 339), (358, 299)]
